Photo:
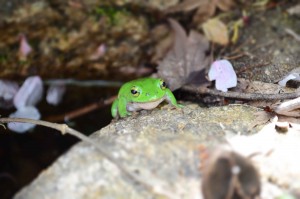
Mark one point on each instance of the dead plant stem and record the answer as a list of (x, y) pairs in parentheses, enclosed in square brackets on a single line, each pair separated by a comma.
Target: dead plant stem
[(239, 95)]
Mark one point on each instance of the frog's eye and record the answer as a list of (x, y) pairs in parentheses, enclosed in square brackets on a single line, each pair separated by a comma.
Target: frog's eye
[(162, 84), (134, 91)]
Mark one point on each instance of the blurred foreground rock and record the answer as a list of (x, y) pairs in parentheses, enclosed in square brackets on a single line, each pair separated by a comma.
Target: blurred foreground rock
[(163, 147)]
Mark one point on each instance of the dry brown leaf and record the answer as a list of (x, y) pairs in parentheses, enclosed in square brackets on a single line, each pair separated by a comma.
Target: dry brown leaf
[(226, 174), (205, 8), (216, 31), (187, 5), (204, 13), (225, 5), (186, 58)]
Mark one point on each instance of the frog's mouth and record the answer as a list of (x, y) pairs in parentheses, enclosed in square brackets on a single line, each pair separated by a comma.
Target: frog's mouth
[(135, 106)]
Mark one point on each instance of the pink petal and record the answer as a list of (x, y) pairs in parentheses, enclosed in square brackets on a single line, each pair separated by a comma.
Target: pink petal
[(30, 92), (99, 52), (24, 112), (24, 48), (55, 94), (223, 72)]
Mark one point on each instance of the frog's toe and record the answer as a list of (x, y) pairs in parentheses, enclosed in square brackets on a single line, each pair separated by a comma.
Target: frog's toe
[(180, 106), (125, 114), (172, 106)]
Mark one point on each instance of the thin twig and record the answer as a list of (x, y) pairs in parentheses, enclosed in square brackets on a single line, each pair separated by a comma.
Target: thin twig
[(238, 95), (63, 128), (262, 45), (89, 83), (242, 54), (293, 34), (81, 111), (253, 66), (239, 48)]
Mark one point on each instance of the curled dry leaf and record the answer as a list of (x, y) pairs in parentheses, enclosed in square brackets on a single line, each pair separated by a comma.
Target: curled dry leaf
[(289, 108), (225, 5), (186, 58), (205, 8), (216, 31), (227, 174), (292, 75), (295, 10), (282, 127), (188, 5)]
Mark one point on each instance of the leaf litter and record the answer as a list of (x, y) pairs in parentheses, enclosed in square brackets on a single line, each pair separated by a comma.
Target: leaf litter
[(186, 59), (205, 8), (188, 56)]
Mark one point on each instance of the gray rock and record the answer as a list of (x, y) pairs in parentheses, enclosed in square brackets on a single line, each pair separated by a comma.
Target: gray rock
[(161, 147)]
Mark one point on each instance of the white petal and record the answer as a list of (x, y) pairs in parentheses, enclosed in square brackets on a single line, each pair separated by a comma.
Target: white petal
[(224, 74), (287, 78), (55, 93), (213, 73), (24, 112), (30, 92)]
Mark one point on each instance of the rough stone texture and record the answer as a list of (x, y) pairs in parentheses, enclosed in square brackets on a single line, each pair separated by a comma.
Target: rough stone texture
[(271, 52), (161, 147)]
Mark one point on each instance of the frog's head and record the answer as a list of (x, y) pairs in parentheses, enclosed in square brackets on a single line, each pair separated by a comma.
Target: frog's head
[(147, 90)]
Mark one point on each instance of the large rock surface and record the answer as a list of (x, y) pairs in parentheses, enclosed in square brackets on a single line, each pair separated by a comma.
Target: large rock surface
[(161, 148)]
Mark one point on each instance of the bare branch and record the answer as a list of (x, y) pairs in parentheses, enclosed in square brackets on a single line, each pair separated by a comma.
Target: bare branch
[(239, 95)]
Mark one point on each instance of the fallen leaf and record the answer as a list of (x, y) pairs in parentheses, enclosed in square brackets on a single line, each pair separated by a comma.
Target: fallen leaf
[(289, 108), (295, 10), (227, 174), (282, 127), (187, 5), (292, 75), (216, 31), (204, 12), (225, 5), (205, 8), (186, 58)]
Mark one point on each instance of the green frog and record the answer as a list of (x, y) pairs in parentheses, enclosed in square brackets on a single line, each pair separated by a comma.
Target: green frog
[(146, 93)]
